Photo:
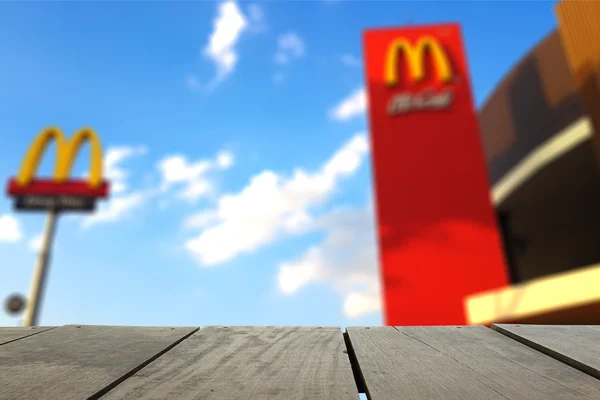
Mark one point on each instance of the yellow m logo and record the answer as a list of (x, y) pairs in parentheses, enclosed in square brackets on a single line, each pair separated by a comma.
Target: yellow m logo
[(415, 58), (66, 152)]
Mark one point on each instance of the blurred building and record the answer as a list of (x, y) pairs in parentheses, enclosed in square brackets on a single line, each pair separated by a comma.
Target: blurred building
[(539, 142)]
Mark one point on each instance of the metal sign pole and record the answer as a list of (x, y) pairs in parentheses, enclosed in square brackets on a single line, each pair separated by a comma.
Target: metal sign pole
[(36, 290), (55, 195)]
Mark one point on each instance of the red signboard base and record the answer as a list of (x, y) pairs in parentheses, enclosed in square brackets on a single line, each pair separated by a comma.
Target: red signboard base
[(438, 235)]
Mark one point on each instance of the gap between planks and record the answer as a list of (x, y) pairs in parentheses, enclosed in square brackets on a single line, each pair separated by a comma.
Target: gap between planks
[(35, 330), (132, 372), (560, 350), (361, 381)]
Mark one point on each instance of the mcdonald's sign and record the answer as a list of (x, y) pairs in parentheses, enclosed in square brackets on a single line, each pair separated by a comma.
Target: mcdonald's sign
[(438, 238), (415, 59), (60, 192)]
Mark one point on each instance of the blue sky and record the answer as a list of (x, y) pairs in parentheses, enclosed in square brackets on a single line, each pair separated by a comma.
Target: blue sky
[(235, 137)]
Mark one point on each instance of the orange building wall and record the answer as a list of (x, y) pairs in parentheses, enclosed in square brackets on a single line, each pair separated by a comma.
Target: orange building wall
[(580, 33)]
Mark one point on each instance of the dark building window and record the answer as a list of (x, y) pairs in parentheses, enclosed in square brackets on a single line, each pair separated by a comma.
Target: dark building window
[(508, 241)]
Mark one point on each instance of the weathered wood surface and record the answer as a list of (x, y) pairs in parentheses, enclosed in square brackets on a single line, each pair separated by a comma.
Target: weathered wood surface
[(576, 345), (10, 334), (79, 362), (461, 363), (255, 363)]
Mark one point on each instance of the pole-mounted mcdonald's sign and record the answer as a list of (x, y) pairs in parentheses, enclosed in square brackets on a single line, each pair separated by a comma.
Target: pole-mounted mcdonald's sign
[(61, 192)]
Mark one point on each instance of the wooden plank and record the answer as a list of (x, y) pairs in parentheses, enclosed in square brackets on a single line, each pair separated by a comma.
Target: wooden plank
[(10, 334), (255, 363), (79, 362), (461, 363), (576, 345)]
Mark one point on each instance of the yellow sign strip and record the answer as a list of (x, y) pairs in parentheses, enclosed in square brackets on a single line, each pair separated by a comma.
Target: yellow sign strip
[(544, 295)]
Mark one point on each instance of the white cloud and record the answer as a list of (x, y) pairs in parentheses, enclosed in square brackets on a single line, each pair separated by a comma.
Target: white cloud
[(202, 219), (176, 170), (350, 107), (293, 276), (10, 229), (256, 18), (346, 260), (35, 243), (224, 160), (358, 304), (115, 209), (289, 45), (121, 200), (229, 25), (270, 206), (113, 172), (350, 61)]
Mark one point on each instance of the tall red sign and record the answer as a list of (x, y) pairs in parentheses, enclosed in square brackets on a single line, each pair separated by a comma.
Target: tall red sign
[(438, 236)]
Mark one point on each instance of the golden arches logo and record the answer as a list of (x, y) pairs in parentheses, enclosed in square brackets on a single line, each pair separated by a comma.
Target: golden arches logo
[(66, 152), (415, 59)]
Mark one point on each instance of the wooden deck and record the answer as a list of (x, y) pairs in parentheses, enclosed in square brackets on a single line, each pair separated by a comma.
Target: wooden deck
[(526, 362)]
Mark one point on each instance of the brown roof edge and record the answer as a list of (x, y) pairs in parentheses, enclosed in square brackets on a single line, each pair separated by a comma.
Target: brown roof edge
[(515, 68)]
